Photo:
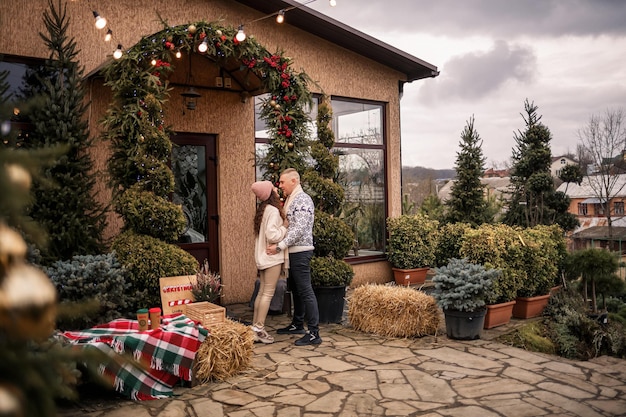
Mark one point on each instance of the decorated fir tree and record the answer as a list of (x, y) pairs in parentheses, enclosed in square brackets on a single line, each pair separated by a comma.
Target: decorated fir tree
[(64, 203)]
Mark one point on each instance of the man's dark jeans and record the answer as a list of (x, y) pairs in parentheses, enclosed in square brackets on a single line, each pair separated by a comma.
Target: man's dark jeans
[(304, 301)]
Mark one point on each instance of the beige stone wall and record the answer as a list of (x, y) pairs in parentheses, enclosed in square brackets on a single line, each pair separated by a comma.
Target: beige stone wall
[(336, 71)]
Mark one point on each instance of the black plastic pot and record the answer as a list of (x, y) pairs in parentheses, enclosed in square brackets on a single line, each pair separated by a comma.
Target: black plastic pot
[(464, 325), (330, 302)]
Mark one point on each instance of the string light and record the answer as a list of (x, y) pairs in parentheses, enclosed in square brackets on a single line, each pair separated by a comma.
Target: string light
[(280, 17), (241, 35), (101, 22), (118, 52), (203, 46)]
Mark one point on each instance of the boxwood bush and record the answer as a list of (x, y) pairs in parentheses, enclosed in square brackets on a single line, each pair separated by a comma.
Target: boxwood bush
[(148, 259)]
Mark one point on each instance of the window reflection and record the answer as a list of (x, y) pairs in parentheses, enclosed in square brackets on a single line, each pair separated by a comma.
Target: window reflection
[(189, 168)]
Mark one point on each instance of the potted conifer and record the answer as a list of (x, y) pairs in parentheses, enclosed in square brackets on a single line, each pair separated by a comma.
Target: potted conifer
[(460, 290)]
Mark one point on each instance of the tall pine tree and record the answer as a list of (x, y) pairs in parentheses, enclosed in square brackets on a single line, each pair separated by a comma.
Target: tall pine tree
[(64, 204), (533, 199), (467, 201)]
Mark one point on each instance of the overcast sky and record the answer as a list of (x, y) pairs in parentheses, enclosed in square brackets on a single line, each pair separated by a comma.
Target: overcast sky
[(566, 56)]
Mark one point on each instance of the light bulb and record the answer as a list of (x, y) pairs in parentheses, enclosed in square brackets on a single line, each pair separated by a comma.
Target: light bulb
[(203, 46), (153, 62), (280, 17), (101, 22), (108, 36), (118, 52), (178, 54), (333, 3), (241, 35)]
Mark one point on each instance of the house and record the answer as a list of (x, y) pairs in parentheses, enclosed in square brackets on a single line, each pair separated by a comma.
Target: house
[(495, 186), (590, 210), (558, 163), (218, 129)]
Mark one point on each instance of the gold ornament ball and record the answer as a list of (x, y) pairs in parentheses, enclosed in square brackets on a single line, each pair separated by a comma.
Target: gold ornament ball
[(218, 32), (290, 145), (192, 29), (12, 247), (271, 165), (277, 106), (273, 103), (19, 175), (27, 304)]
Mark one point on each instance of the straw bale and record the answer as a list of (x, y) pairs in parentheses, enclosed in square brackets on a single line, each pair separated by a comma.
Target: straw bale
[(393, 311), (227, 351)]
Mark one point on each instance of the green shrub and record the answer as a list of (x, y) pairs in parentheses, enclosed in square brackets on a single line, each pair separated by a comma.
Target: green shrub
[(542, 252), (92, 280), (330, 272), (496, 247), (148, 214), (450, 246), (412, 242), (331, 236), (148, 259)]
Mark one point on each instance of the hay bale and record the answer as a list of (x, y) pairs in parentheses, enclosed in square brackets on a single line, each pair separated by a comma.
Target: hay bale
[(393, 311), (227, 351)]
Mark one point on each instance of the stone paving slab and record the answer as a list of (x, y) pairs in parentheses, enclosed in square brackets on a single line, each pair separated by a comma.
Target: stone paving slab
[(363, 375)]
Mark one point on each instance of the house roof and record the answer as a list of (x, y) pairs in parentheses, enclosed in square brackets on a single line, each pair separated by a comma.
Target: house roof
[(584, 190), (601, 233), (347, 37)]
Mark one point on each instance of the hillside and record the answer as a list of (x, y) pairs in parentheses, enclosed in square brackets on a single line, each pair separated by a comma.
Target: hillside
[(416, 174)]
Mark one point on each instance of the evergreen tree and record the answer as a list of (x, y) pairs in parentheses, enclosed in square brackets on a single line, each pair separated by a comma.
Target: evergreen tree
[(34, 370), (64, 204), (467, 203), (533, 199)]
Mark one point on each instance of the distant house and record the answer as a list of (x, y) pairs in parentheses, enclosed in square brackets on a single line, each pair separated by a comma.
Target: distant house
[(496, 173), (588, 208), (494, 186), (558, 163)]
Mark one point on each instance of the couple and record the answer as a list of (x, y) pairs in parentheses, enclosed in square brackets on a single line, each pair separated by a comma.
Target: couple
[(285, 237)]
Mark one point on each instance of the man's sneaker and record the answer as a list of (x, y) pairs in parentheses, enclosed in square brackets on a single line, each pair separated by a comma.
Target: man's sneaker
[(256, 328), (309, 339), (263, 337), (291, 329)]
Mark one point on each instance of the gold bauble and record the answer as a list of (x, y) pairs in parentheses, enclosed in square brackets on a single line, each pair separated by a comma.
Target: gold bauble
[(273, 103), (192, 29), (290, 145), (27, 304), (18, 175), (12, 247)]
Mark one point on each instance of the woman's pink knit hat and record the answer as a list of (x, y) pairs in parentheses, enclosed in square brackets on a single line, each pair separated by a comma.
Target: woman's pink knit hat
[(262, 189)]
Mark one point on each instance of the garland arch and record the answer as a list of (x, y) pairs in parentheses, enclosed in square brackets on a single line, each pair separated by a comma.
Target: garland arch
[(141, 148), (139, 84)]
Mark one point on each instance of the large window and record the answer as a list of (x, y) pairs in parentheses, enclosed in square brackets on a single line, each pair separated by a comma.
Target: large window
[(360, 143)]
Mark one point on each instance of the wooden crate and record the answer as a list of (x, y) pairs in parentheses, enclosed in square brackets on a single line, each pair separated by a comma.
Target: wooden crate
[(208, 314)]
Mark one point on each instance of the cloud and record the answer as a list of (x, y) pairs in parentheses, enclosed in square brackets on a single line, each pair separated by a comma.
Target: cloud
[(496, 18), (477, 74)]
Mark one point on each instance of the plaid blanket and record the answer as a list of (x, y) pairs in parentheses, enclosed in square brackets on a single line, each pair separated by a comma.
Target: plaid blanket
[(161, 356)]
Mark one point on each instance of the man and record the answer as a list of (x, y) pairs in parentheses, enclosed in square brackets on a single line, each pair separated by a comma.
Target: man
[(299, 241)]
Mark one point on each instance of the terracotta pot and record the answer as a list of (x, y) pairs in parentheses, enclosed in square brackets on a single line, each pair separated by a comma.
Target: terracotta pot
[(498, 314), (410, 276), (529, 307)]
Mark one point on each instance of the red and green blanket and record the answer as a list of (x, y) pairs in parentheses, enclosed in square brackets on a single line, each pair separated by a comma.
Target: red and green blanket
[(161, 356)]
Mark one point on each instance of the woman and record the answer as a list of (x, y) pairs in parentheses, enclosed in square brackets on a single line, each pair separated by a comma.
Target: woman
[(270, 227)]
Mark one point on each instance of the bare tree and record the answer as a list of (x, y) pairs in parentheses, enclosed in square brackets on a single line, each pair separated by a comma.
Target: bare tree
[(604, 140)]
